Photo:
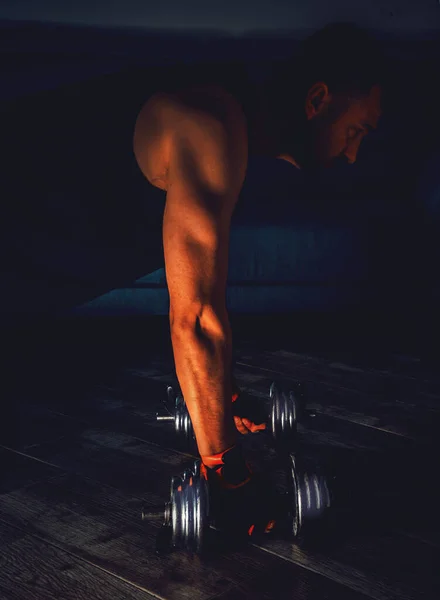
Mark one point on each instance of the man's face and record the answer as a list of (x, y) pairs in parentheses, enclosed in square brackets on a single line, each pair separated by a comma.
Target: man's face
[(336, 125)]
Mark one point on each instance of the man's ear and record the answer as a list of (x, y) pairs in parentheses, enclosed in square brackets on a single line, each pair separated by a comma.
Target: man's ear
[(317, 99)]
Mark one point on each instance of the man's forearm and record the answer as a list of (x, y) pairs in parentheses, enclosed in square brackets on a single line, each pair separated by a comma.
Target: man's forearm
[(203, 367)]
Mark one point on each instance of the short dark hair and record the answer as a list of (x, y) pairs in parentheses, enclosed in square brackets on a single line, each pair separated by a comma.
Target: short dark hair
[(344, 56)]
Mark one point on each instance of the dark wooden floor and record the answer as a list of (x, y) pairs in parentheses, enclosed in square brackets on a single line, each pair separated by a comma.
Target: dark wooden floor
[(80, 453)]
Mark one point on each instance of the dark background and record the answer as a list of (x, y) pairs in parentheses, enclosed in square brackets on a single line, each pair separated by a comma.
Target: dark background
[(414, 17)]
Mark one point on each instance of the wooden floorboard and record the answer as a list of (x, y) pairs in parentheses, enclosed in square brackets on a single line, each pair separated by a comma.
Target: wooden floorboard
[(29, 424), (404, 381), (31, 568), (355, 354), (18, 472)]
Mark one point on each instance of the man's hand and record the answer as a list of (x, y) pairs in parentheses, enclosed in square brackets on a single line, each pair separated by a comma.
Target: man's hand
[(243, 405), (245, 426)]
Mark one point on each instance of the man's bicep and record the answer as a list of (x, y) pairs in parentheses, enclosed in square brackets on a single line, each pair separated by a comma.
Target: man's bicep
[(196, 247), (207, 163)]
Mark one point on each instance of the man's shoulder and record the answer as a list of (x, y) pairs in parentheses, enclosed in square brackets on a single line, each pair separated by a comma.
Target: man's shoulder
[(205, 102), (210, 125), (209, 114), (203, 119)]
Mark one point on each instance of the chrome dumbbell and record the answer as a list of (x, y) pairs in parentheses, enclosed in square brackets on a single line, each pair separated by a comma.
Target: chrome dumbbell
[(177, 413), (285, 406), (309, 497), (187, 517)]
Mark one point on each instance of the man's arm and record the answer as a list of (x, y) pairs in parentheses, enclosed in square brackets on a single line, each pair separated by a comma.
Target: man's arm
[(207, 164)]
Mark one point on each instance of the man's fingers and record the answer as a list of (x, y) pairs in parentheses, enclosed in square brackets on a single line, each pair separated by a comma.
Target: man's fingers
[(239, 425), (252, 427), (245, 426)]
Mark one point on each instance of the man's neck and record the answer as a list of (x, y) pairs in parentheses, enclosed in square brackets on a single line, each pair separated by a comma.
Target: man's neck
[(267, 129)]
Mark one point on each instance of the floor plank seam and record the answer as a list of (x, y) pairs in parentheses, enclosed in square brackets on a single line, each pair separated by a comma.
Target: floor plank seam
[(332, 386), (29, 456), (302, 379), (66, 471), (319, 572), (82, 559), (223, 593), (368, 371), (315, 365), (401, 435), (112, 430), (38, 444), (32, 483)]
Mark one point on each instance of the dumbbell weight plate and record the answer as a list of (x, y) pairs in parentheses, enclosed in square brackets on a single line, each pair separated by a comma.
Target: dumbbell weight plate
[(283, 415), (177, 412), (189, 510), (310, 497), (182, 421)]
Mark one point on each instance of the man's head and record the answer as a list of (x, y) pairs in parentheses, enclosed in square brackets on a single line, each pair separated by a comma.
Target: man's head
[(335, 99)]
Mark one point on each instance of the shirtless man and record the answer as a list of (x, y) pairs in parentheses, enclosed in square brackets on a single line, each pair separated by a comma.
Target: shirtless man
[(195, 145)]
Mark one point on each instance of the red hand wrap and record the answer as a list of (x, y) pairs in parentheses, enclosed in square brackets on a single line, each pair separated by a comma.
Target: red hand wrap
[(215, 460)]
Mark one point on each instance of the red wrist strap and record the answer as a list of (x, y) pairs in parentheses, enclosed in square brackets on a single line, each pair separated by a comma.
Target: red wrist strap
[(215, 459), (235, 396)]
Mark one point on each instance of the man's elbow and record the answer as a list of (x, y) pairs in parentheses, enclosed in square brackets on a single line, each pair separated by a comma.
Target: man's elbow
[(207, 320)]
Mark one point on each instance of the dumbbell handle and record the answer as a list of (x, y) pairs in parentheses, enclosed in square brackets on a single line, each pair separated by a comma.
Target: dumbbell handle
[(152, 512), (152, 515), (165, 418)]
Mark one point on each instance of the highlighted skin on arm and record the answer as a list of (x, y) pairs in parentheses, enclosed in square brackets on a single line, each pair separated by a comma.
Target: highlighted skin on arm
[(206, 171)]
